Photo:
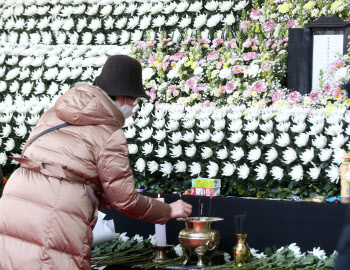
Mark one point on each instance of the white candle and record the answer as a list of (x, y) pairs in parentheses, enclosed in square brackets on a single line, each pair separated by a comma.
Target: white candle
[(160, 231)]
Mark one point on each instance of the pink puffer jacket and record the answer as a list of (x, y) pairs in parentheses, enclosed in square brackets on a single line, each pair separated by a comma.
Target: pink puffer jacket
[(46, 212)]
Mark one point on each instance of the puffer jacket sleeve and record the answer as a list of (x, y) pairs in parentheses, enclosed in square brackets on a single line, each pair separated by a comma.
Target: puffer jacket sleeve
[(118, 183)]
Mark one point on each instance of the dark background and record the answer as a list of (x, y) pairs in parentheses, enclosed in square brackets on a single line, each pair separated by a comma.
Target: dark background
[(269, 222)]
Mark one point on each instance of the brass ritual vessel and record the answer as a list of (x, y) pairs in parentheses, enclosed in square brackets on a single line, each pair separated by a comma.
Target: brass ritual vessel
[(161, 253), (241, 253), (199, 236)]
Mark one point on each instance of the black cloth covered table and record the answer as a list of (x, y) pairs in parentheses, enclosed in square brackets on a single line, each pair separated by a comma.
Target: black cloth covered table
[(269, 222)]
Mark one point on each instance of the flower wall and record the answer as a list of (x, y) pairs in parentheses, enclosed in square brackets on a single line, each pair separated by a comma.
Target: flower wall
[(216, 74)]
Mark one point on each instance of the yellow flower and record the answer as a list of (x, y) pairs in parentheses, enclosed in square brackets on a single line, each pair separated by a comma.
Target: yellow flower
[(225, 65), (329, 108), (309, 5), (284, 8), (155, 63), (244, 113), (347, 101), (335, 6)]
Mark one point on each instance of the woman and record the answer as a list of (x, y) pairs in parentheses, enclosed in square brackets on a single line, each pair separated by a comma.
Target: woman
[(49, 208)]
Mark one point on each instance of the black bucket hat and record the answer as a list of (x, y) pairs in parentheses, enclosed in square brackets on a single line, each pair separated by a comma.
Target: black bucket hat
[(121, 75)]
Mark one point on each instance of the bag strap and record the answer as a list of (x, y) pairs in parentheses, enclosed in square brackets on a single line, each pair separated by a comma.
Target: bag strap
[(49, 130)]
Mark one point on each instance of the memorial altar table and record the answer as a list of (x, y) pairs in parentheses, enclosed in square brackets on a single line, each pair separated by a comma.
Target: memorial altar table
[(269, 222)]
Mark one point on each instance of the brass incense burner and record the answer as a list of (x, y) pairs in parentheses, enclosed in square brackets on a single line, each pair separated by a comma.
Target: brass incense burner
[(200, 237)]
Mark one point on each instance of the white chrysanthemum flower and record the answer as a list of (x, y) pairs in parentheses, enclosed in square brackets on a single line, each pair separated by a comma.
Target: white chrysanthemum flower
[(145, 22), (178, 250), (212, 5), (144, 8), (219, 124), (92, 10), (230, 19), (109, 23), (87, 38), (320, 141), (212, 169), (307, 156), (254, 154), (333, 173), (157, 8), (241, 5), (172, 125), (195, 7), (95, 24), (3, 86), (189, 123), (131, 8), (146, 134), (283, 127), (252, 138), (119, 9), (204, 123), (338, 141), (152, 166), (203, 136), (6, 131), (2, 72), (136, 36), (182, 6), (226, 6), (82, 23), (277, 173), (214, 20), (147, 149), (176, 151), (159, 123), (237, 153), (268, 138), (314, 173), (243, 171), (175, 138), (180, 167), (159, 21), (121, 23), (316, 129), (255, 253), (301, 140), (166, 168), (289, 155), (133, 22), (261, 171), (9, 145), (296, 250), (225, 73), (298, 128), (222, 153), (188, 136), (160, 135), (172, 20), (334, 130), (21, 131), (140, 165), (185, 22), (37, 74), (206, 152), (3, 158), (195, 168), (13, 73), (228, 169), (100, 38), (125, 36), (191, 150), (217, 136), (338, 156), (283, 140), (112, 38), (297, 173), (236, 125), (14, 87), (106, 10), (251, 125), (318, 253)]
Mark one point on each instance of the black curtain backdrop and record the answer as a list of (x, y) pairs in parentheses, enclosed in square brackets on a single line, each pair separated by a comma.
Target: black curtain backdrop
[(269, 222)]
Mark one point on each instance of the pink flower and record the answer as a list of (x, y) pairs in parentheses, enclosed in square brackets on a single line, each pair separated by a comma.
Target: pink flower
[(293, 97), (230, 87), (218, 41), (202, 61), (233, 43), (191, 82), (219, 64), (178, 56), (348, 20), (204, 40), (259, 87), (328, 88), (166, 40), (277, 95), (249, 56), (247, 43), (269, 25), (291, 23), (255, 14), (244, 25), (269, 42), (212, 56), (266, 66), (314, 95), (188, 40), (221, 89), (238, 69), (152, 59)]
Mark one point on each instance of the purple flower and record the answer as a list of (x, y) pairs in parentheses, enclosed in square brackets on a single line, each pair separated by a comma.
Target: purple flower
[(293, 97), (249, 56), (255, 14), (152, 59), (269, 25), (212, 56), (259, 87), (291, 23)]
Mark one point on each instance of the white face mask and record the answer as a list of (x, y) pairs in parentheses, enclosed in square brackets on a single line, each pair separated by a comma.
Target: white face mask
[(126, 110)]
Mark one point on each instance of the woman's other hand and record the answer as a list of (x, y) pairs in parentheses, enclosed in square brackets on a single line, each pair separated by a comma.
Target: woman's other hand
[(180, 209)]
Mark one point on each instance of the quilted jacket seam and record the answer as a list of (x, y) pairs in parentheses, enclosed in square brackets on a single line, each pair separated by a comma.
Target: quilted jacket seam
[(57, 210)]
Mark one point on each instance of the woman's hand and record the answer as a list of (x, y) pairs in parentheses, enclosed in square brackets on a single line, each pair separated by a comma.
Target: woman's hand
[(180, 209)]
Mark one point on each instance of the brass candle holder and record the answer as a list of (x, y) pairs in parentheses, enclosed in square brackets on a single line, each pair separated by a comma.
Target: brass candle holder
[(161, 253), (241, 253)]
